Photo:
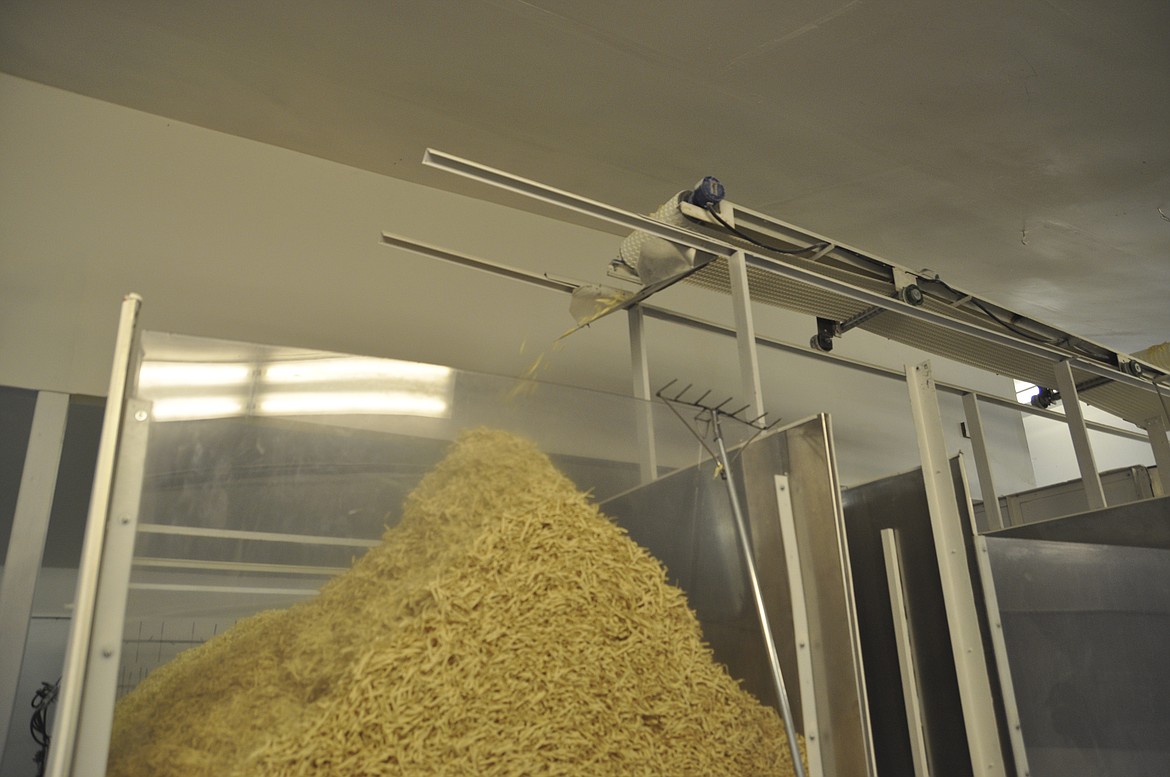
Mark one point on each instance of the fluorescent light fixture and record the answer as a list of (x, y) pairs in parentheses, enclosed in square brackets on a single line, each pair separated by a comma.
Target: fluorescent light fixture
[(328, 385), (179, 374), (192, 408), (356, 403), (354, 368)]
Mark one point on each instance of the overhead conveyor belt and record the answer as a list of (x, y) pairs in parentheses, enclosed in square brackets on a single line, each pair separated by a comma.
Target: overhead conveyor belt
[(811, 274), (1127, 397)]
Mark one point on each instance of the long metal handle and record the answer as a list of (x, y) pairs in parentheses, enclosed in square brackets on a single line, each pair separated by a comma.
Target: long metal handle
[(758, 595)]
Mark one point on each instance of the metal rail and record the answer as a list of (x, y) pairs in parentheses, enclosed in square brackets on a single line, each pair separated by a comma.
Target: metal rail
[(542, 192), (694, 322)]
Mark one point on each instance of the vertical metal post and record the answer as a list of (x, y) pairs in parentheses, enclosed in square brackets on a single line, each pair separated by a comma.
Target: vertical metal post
[(26, 543), (1156, 431), (65, 725), (911, 695), (955, 576), (1080, 435), (745, 332), (101, 679), (982, 461), (640, 367)]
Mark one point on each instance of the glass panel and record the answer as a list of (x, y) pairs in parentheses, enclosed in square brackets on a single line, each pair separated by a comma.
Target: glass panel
[(268, 470)]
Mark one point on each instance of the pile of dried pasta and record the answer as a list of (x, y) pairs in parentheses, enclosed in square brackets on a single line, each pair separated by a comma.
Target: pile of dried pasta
[(504, 627)]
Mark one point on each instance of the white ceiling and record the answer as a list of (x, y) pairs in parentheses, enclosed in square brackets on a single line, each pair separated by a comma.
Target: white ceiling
[(1019, 148)]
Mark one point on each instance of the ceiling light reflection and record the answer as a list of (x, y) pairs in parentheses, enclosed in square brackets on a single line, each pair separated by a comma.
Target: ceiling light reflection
[(356, 403), (197, 408), (354, 368), (177, 374)]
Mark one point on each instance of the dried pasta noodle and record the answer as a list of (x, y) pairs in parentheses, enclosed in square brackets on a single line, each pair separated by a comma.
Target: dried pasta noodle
[(504, 627)]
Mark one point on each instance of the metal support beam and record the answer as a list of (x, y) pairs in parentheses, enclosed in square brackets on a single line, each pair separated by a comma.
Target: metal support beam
[(955, 576), (640, 367), (1080, 435), (26, 543), (814, 742), (982, 461), (670, 316), (701, 242), (745, 333), (1156, 430), (65, 725), (109, 614)]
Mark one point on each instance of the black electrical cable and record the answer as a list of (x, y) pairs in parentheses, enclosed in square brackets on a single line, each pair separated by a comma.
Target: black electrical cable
[(1005, 324), (1100, 355), (38, 725), (710, 208)]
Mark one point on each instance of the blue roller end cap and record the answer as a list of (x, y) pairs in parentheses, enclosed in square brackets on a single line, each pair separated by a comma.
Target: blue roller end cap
[(707, 192)]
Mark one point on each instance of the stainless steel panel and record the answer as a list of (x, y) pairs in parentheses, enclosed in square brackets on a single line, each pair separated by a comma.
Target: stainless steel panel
[(899, 503), (1128, 484), (1144, 524), (1087, 633), (685, 520)]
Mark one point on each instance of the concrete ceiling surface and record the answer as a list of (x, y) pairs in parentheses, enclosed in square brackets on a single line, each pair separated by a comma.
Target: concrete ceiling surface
[(1018, 148)]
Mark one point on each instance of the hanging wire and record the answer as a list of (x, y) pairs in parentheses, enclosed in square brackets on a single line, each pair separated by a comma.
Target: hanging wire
[(38, 725)]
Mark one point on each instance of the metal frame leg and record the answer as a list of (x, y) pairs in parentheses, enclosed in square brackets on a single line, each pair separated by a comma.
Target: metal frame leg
[(640, 367), (982, 461), (1080, 436), (1156, 430), (955, 575), (745, 333), (26, 544), (65, 726)]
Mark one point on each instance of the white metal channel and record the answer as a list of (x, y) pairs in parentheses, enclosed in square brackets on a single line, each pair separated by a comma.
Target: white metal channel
[(982, 460), (911, 695), (96, 721), (65, 726), (745, 334), (814, 742), (955, 576), (26, 543), (640, 369), (1091, 479)]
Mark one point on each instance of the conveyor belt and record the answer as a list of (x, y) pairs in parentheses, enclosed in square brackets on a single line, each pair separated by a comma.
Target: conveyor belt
[(843, 282), (1134, 403)]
